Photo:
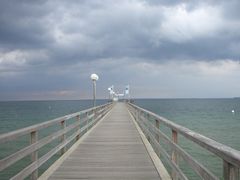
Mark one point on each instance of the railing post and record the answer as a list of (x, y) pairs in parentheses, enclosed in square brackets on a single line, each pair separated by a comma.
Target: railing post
[(136, 114), (79, 127), (34, 155), (96, 113), (230, 172), (148, 127), (103, 111), (174, 153), (157, 124), (92, 117), (87, 120), (63, 138)]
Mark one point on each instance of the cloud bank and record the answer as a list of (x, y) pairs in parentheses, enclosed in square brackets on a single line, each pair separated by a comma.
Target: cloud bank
[(163, 49)]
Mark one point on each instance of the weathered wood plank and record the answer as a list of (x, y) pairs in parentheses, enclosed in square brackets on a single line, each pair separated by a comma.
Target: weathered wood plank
[(63, 138), (174, 153), (114, 150), (34, 155)]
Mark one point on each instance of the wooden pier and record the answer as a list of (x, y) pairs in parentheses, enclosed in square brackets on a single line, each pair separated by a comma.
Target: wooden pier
[(113, 150), (115, 141)]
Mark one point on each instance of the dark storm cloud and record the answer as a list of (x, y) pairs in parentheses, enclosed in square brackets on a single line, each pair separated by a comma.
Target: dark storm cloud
[(55, 44), (83, 30), (21, 24)]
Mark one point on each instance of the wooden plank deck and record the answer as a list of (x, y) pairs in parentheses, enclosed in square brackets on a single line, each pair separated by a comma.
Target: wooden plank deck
[(114, 150)]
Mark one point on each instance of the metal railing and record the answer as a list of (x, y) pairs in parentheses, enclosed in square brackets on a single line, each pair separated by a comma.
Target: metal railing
[(150, 124), (69, 131)]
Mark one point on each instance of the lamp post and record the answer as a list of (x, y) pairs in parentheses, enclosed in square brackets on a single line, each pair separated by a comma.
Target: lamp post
[(94, 78)]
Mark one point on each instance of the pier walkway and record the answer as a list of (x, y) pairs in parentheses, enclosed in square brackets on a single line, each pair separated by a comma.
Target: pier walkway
[(113, 150)]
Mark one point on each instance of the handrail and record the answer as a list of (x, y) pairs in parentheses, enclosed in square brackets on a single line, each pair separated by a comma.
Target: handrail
[(230, 156), (69, 131), (20, 132)]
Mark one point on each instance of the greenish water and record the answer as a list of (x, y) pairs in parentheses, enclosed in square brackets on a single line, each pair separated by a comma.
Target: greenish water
[(210, 117), (19, 114)]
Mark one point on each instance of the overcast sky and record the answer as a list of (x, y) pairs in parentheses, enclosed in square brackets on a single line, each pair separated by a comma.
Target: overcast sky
[(162, 49)]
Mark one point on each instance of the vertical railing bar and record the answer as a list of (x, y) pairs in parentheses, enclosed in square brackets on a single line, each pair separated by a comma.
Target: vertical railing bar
[(34, 155), (63, 138), (93, 117), (157, 124), (174, 153), (87, 120), (230, 172), (79, 128), (148, 126)]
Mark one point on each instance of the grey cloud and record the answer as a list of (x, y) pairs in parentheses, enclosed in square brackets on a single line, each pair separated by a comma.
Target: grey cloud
[(64, 41), (97, 30), (21, 24)]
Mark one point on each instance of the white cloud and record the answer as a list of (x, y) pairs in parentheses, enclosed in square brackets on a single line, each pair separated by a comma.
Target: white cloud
[(219, 68), (13, 58), (12, 62), (180, 24), (215, 68), (173, 79)]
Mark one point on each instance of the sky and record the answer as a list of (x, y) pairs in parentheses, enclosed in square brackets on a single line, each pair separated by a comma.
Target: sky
[(162, 49)]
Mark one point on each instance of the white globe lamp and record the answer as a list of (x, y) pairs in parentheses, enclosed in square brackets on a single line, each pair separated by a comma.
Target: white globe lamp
[(94, 78)]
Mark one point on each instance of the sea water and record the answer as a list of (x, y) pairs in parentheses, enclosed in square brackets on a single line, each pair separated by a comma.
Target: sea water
[(19, 114), (211, 117)]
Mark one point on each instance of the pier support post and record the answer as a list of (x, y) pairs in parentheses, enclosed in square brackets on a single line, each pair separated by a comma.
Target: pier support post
[(34, 155), (230, 172), (63, 138), (174, 153)]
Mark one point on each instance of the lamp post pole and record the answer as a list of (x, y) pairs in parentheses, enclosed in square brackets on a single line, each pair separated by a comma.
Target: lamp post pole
[(94, 78), (94, 93)]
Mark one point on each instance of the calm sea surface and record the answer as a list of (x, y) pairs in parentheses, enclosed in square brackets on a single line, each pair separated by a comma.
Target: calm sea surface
[(210, 117), (19, 114)]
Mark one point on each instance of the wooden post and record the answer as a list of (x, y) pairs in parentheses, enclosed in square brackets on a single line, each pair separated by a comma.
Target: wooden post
[(79, 127), (63, 138), (34, 155), (95, 111), (95, 114), (157, 124), (174, 153), (91, 120), (87, 120), (230, 172), (136, 116), (135, 112), (148, 127)]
